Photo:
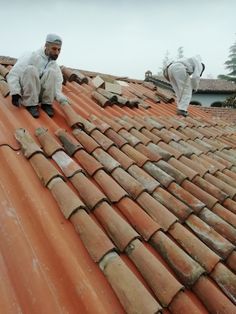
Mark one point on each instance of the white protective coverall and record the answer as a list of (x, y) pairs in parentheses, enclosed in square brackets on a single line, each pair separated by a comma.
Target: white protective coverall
[(184, 76), (36, 79)]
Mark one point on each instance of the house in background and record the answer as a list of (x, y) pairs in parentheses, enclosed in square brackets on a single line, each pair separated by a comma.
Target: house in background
[(211, 92)]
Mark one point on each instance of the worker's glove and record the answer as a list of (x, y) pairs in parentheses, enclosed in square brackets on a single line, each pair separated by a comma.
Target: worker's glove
[(16, 100)]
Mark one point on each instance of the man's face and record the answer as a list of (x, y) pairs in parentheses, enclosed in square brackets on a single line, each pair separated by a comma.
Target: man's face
[(52, 50)]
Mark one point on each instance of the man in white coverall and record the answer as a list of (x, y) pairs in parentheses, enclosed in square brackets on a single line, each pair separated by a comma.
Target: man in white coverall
[(37, 78), (184, 76)]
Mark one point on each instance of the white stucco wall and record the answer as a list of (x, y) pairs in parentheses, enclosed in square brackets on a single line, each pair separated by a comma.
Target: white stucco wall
[(206, 100)]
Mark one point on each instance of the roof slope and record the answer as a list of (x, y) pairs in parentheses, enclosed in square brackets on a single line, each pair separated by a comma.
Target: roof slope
[(117, 208)]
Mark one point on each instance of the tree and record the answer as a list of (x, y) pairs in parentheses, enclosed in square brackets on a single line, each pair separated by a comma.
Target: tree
[(230, 65), (180, 53)]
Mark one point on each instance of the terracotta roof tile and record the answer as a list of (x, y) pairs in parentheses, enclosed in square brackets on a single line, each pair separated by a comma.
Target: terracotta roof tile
[(88, 162), (189, 172), (113, 191), (212, 297), (118, 230), (156, 149), (106, 160), (101, 139), (187, 270), (85, 140), (194, 247), (163, 284), (134, 154), (170, 149), (209, 236), (88, 192), (231, 261), (178, 208), (138, 218)]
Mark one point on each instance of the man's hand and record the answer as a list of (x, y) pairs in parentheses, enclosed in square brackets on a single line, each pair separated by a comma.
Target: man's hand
[(16, 100)]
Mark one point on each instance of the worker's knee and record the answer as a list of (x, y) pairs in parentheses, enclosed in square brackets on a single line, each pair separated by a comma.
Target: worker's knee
[(51, 73), (31, 70)]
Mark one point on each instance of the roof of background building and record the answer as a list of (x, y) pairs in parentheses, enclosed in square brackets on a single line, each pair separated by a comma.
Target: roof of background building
[(116, 205), (205, 85)]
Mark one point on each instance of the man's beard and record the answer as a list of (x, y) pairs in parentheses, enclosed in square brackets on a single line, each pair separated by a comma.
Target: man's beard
[(53, 57)]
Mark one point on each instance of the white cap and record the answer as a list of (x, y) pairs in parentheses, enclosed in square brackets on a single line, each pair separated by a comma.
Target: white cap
[(54, 39)]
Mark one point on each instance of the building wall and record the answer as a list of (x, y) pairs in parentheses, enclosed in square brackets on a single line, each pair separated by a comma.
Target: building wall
[(206, 100)]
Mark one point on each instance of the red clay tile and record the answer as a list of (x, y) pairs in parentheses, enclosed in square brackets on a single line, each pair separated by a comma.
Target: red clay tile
[(88, 162), (109, 186), (209, 236), (163, 121), (133, 122), (148, 152), (71, 117), (67, 200), (163, 134), (44, 169), (185, 303), (205, 144), (178, 208), (231, 261), (207, 165), (220, 225), (187, 270), (68, 166), (227, 179), (226, 280), (154, 138), (139, 158), (153, 123), (157, 211), (228, 159), (116, 138), (210, 188), (145, 140), (194, 165), (88, 192), (121, 157), (48, 142), (186, 197), (191, 133), (28, 145), (84, 139), (142, 177), (230, 174), (101, 125), (194, 247), (230, 204), (171, 150), (172, 171), (115, 126), (190, 173), (70, 144), (115, 226), (211, 296), (106, 160), (138, 218), (200, 147), (128, 126), (156, 149), (157, 173), (131, 185), (134, 297), (133, 141), (199, 192), (93, 237), (101, 139), (180, 134), (214, 162), (231, 191), (225, 214), (162, 283)]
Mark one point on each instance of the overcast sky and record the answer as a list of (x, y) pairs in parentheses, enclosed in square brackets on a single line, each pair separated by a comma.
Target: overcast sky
[(122, 37)]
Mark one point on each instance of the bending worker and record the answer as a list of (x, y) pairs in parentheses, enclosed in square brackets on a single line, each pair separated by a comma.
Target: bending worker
[(184, 76), (37, 78)]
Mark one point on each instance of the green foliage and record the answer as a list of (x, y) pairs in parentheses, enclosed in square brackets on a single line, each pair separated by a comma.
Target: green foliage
[(230, 65), (230, 102)]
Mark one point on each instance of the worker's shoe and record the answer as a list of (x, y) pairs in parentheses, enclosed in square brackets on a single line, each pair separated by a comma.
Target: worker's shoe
[(33, 110), (182, 113), (48, 109)]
